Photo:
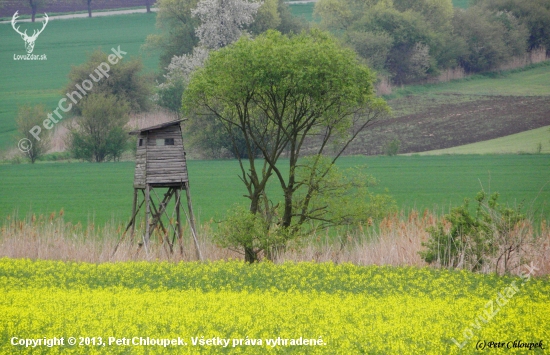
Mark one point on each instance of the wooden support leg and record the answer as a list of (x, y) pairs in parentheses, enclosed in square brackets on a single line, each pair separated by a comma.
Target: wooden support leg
[(192, 221), (162, 209), (133, 221), (178, 220), (147, 214)]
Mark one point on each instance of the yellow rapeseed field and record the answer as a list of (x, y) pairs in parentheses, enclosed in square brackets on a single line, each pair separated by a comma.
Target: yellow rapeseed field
[(53, 307)]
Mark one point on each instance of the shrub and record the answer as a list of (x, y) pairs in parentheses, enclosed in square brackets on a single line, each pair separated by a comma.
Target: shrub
[(492, 235), (391, 148)]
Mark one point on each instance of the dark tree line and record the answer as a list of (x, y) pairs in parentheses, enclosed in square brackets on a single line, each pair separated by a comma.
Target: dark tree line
[(409, 41)]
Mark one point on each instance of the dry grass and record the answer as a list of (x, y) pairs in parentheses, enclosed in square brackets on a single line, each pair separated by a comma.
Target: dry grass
[(533, 57), (383, 87), (395, 241), (450, 74)]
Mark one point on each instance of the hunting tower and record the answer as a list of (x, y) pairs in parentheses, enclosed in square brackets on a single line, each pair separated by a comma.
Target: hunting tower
[(161, 164)]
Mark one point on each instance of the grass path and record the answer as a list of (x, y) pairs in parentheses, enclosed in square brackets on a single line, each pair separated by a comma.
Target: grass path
[(524, 142)]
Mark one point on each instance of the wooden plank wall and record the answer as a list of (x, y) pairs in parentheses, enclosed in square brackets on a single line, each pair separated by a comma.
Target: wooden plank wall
[(141, 154), (166, 164)]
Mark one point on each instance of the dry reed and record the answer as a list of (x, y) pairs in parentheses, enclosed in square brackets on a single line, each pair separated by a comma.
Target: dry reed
[(395, 241)]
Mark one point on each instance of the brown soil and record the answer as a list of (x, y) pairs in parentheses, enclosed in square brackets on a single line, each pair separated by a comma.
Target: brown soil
[(446, 125)]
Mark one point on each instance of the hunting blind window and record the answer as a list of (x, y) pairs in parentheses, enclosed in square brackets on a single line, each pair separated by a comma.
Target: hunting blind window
[(165, 141), (140, 142)]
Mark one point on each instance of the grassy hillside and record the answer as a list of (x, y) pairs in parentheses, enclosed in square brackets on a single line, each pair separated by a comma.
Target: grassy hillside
[(66, 43), (102, 192), (524, 142), (471, 110), (533, 81)]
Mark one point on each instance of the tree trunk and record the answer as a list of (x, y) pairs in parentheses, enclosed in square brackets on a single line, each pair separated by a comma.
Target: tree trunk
[(287, 215), (33, 8), (89, 8), (249, 255), (148, 5)]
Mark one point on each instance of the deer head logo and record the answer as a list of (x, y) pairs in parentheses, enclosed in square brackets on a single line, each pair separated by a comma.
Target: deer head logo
[(29, 40)]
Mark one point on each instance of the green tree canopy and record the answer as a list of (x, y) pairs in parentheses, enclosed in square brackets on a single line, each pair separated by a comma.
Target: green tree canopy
[(533, 14), (99, 134), (407, 40), (488, 39), (286, 95), (124, 81), (27, 118), (177, 30), (411, 40)]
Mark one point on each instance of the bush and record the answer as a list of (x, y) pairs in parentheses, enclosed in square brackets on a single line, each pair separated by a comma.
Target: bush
[(99, 134), (27, 118), (243, 230), (391, 148), (488, 39), (56, 156), (492, 235)]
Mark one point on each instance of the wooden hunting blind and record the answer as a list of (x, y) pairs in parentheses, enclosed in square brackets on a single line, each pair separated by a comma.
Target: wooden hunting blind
[(161, 164), (160, 156)]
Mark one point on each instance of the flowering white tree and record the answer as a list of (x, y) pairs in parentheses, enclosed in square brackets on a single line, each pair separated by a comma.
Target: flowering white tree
[(181, 67), (222, 21)]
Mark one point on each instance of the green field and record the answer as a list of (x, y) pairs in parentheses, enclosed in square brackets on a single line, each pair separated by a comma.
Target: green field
[(103, 192), (463, 4), (306, 10), (530, 82), (524, 142), (66, 43), (303, 10)]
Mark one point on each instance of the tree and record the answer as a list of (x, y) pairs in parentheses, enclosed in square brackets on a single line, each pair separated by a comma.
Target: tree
[(35, 5), (27, 118), (276, 14), (489, 39), (283, 94), (408, 40), (533, 14), (289, 23), (168, 94), (123, 80), (267, 17), (222, 21), (99, 134), (177, 26), (89, 6), (412, 38)]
